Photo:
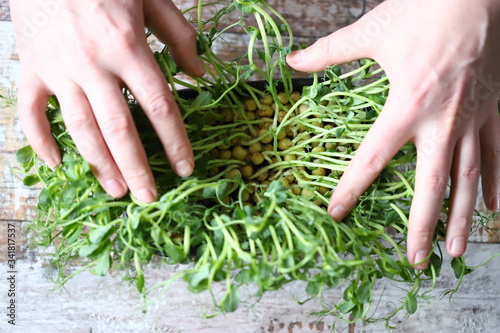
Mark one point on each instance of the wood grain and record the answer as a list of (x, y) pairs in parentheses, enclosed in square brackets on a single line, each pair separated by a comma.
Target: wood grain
[(94, 304)]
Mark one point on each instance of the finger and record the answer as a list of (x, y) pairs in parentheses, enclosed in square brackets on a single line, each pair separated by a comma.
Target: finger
[(490, 157), (32, 102), (464, 181), (150, 88), (368, 162), (168, 24), (87, 137), (120, 134), (433, 170)]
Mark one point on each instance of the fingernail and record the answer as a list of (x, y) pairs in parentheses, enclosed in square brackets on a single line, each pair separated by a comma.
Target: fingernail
[(295, 57), (51, 162), (184, 168), (338, 212), (146, 196), (495, 203), (200, 69), (420, 257), (458, 246), (114, 188)]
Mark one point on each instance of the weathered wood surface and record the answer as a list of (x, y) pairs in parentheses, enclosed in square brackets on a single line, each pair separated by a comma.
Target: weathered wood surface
[(94, 304)]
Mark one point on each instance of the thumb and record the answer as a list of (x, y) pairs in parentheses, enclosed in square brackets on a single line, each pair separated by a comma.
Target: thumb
[(344, 45)]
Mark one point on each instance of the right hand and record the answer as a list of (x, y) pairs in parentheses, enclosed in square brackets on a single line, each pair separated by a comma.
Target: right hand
[(84, 52)]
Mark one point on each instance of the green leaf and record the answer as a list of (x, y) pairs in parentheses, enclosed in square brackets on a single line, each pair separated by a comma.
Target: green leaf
[(231, 299), (314, 285), (262, 55), (87, 250), (104, 265), (31, 180), (139, 282), (458, 266), (96, 235), (25, 155), (175, 253), (196, 278), (245, 8), (345, 307), (411, 303), (339, 132), (202, 99), (363, 294)]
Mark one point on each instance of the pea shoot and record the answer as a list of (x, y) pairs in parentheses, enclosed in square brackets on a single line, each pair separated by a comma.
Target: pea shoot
[(268, 156)]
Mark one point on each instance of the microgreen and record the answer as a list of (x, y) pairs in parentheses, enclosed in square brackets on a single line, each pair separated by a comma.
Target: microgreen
[(267, 159)]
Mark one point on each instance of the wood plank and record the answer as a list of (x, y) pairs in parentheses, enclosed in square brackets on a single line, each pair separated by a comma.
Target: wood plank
[(95, 304)]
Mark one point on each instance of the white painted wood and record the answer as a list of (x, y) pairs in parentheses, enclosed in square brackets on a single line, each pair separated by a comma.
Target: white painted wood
[(95, 304)]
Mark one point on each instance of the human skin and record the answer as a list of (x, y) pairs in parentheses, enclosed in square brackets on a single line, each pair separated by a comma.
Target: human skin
[(84, 53), (442, 59)]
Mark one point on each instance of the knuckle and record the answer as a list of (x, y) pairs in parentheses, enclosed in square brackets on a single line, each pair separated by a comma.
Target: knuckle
[(372, 162), (117, 125), (436, 183), (470, 172), (77, 120), (160, 107), (136, 176), (461, 222)]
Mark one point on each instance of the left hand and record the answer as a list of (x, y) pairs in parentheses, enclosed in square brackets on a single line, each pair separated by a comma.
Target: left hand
[(442, 61)]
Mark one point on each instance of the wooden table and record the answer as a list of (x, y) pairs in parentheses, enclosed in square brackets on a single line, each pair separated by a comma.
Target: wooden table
[(94, 304)]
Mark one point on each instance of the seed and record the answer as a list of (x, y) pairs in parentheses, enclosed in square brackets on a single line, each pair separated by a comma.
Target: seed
[(308, 194), (356, 145), (317, 123), (265, 111), (247, 171), (225, 154), (282, 98), (250, 105), (265, 124), (318, 202), (342, 149), (255, 147), (266, 99), (240, 153), (250, 115), (289, 130), (303, 108), (245, 195), (330, 146), (296, 190), (214, 152), (290, 157), (281, 134), (318, 150), (285, 182), (289, 176), (227, 115), (263, 176), (281, 115), (284, 144), (257, 158), (268, 147), (295, 96), (265, 138), (233, 173), (323, 190), (319, 172)]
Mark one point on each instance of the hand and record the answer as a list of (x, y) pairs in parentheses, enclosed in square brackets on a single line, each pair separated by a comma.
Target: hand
[(84, 52), (441, 58)]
